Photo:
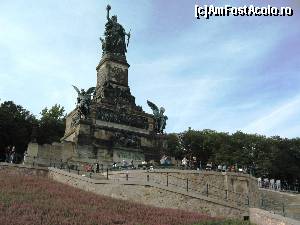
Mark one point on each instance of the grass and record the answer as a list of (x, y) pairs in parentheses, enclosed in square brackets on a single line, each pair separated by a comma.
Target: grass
[(36, 200)]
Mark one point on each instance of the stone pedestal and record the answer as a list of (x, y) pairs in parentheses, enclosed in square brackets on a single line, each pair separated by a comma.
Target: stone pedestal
[(117, 130)]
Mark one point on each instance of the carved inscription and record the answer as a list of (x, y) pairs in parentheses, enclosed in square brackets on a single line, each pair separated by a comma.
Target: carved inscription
[(122, 117)]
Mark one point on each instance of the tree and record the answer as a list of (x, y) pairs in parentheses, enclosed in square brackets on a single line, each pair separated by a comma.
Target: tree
[(223, 151), (286, 160), (174, 146), (272, 157), (192, 143), (51, 125), (15, 127)]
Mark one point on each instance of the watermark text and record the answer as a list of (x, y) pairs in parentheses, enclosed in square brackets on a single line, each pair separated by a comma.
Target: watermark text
[(207, 11)]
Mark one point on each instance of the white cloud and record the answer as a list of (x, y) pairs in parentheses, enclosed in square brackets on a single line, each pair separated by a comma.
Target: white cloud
[(276, 117)]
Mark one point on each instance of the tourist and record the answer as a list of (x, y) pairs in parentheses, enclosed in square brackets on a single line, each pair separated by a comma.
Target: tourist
[(208, 166), (259, 182), (224, 168), (125, 164), (144, 165), (97, 168), (266, 183), (88, 168), (278, 185), (272, 184), (7, 154), (296, 185), (194, 162), (132, 165), (163, 160), (184, 162), (92, 169), (232, 169), (12, 154), (24, 158)]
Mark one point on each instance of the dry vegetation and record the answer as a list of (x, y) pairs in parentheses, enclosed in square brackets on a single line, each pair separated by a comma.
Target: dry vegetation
[(28, 200)]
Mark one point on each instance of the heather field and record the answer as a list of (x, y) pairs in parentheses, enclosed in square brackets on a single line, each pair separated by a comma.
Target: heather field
[(28, 200)]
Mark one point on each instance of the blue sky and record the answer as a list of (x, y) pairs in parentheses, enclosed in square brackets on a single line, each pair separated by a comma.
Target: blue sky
[(226, 73)]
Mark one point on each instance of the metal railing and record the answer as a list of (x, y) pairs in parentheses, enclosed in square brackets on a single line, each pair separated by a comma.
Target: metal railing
[(273, 206), (164, 179)]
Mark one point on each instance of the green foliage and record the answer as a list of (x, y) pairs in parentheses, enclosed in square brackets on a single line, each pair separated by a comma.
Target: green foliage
[(56, 113), (15, 126), (174, 147), (51, 125), (273, 157)]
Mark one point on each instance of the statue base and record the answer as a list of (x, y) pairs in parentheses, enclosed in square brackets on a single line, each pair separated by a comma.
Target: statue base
[(116, 130)]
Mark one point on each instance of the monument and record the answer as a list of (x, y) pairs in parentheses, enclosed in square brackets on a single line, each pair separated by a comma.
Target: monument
[(107, 126)]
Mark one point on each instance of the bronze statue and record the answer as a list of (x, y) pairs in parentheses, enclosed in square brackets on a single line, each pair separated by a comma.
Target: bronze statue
[(84, 101), (160, 118), (115, 35)]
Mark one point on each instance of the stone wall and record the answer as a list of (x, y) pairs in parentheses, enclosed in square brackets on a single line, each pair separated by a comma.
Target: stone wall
[(24, 170), (139, 189), (155, 195), (262, 217), (70, 128), (238, 188), (287, 204), (45, 154)]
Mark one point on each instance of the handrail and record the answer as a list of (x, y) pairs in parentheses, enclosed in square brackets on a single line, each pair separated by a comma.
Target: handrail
[(189, 185)]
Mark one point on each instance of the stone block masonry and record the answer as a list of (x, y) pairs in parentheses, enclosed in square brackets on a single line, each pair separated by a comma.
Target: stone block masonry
[(262, 217), (151, 193)]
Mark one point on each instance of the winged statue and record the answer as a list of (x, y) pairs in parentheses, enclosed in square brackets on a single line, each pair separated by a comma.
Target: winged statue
[(84, 100), (160, 118)]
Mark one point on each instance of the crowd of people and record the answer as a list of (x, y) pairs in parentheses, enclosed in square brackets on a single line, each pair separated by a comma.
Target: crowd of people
[(269, 183), (96, 167), (92, 168), (210, 166), (278, 185)]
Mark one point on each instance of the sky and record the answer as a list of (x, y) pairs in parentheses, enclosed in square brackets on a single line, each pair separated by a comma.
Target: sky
[(225, 73)]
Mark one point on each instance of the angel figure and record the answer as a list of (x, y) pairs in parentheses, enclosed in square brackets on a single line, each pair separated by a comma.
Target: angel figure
[(160, 118), (84, 100)]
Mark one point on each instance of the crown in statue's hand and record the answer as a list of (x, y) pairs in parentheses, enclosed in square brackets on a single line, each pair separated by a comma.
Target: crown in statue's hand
[(108, 7)]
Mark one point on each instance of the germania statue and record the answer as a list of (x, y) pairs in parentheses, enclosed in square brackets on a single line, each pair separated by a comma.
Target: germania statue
[(114, 36)]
